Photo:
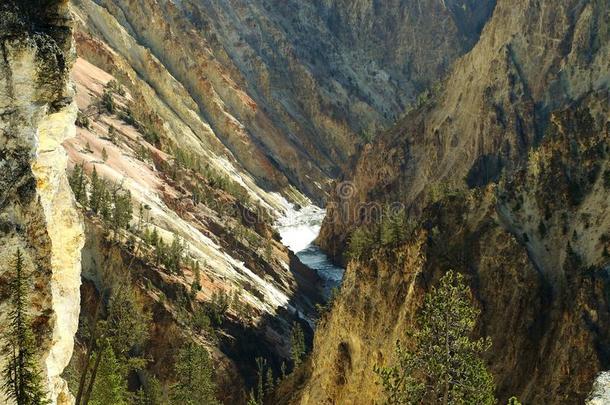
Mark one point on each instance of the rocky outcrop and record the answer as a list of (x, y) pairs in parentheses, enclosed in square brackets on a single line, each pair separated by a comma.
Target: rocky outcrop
[(36, 205), (601, 390)]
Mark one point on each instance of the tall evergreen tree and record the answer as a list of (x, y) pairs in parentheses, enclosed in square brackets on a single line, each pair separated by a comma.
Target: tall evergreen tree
[(297, 344), (97, 192), (23, 381), (261, 363), (361, 241), (111, 380), (194, 372), (151, 393), (122, 209), (78, 182), (112, 341), (269, 381), (444, 364)]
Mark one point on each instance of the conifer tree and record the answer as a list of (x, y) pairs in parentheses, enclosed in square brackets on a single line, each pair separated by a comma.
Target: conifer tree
[(269, 381), (122, 209), (297, 344), (107, 102), (95, 201), (151, 393), (23, 381), (361, 241), (105, 202), (393, 227), (112, 134), (78, 183), (174, 256), (111, 342), (111, 380), (261, 364), (252, 399), (444, 364), (193, 369), (196, 284)]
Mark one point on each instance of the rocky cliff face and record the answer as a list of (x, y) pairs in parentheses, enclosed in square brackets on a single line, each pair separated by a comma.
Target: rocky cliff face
[(532, 58), (183, 192), (534, 251), (286, 87), (37, 209), (502, 171)]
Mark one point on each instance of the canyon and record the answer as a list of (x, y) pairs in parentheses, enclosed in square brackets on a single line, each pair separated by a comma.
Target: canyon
[(243, 130)]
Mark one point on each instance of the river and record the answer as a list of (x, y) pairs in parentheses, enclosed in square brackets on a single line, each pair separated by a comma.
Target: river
[(299, 229)]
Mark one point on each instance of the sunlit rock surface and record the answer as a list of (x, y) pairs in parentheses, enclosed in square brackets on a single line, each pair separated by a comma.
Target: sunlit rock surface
[(37, 209), (600, 395)]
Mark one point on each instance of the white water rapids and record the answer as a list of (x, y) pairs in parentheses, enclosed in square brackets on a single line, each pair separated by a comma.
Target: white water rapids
[(299, 229)]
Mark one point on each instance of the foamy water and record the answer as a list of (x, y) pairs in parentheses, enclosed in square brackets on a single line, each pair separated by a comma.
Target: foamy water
[(299, 229)]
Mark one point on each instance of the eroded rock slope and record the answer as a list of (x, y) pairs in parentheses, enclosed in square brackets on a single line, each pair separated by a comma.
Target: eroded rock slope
[(287, 87), (503, 174)]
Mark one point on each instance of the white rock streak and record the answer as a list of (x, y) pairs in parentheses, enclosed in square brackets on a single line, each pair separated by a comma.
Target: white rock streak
[(65, 229)]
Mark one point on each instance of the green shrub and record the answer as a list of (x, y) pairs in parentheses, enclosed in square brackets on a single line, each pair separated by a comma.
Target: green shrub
[(107, 102), (115, 87), (361, 242), (82, 120), (218, 307)]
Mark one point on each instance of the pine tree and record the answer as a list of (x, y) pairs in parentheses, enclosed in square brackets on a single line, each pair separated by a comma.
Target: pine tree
[(261, 364), (393, 227), (269, 382), (126, 324), (104, 154), (105, 202), (122, 209), (111, 345), (174, 256), (151, 393), (96, 197), (78, 182), (196, 284), (112, 134), (23, 382), (252, 399), (160, 249), (297, 344), (444, 364), (218, 307), (111, 380), (193, 369), (361, 241), (107, 102), (100, 198)]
